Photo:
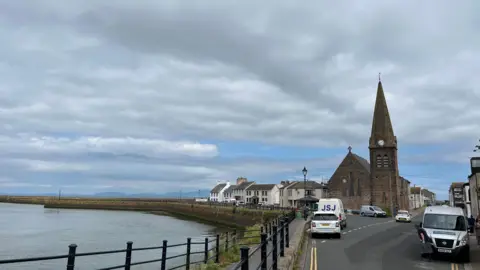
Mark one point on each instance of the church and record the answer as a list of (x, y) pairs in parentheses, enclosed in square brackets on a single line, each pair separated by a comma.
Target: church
[(358, 182)]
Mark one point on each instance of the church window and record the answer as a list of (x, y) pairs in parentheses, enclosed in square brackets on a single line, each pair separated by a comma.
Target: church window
[(379, 161), (386, 161), (352, 185), (359, 188)]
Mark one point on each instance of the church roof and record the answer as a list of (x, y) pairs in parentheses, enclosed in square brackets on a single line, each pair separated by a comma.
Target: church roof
[(365, 164), (381, 125)]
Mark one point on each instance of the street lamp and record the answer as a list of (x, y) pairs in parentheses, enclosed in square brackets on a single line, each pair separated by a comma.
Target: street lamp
[(305, 192)]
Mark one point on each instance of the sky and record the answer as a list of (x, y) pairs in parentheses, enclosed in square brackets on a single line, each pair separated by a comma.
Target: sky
[(160, 96)]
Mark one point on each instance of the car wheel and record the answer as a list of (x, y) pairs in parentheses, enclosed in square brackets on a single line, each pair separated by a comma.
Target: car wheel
[(362, 214), (375, 215)]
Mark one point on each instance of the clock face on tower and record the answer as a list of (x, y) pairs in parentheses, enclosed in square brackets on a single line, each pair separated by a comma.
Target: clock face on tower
[(381, 142)]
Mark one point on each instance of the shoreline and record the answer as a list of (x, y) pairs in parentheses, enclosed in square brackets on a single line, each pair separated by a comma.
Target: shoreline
[(218, 216)]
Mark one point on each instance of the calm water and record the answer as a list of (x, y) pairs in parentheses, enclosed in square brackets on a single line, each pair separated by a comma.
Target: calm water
[(31, 231)]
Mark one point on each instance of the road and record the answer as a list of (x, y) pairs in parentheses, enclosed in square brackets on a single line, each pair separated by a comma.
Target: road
[(373, 244)]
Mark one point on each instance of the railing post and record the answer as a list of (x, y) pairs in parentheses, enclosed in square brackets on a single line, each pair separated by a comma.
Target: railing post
[(287, 233), (275, 248), (205, 251), (164, 255), (270, 228), (282, 239), (187, 261), (217, 249), (226, 242), (263, 254), (71, 257), (244, 257), (128, 256)]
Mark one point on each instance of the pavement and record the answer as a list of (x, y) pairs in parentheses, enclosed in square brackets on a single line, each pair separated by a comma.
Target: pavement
[(374, 244)]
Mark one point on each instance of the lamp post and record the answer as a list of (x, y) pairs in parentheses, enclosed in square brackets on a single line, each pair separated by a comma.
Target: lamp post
[(305, 171)]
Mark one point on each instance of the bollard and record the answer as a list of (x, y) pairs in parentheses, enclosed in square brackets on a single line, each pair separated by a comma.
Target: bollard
[(263, 251), (226, 241), (244, 257), (217, 249), (275, 249), (71, 257), (282, 239), (187, 256), (205, 251), (128, 256), (287, 234), (164, 255)]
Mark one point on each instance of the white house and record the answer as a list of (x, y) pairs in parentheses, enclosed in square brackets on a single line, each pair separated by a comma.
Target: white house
[(239, 191), (265, 193), (420, 197), (295, 194), (228, 193), (217, 193)]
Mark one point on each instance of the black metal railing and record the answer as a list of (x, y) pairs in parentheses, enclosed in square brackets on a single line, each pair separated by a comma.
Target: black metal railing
[(213, 247), (270, 233)]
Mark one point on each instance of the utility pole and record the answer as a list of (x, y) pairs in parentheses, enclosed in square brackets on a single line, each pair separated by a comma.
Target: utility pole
[(59, 194)]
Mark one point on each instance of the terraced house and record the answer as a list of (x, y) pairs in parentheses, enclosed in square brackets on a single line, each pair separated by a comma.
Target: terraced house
[(298, 193), (263, 193)]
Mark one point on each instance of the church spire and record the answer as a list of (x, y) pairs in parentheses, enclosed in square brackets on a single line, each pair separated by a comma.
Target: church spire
[(382, 125)]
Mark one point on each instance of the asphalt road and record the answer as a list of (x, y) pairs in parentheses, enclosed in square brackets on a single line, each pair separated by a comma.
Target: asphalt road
[(372, 244)]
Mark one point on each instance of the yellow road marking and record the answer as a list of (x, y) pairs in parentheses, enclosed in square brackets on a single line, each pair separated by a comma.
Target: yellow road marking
[(313, 259), (454, 266)]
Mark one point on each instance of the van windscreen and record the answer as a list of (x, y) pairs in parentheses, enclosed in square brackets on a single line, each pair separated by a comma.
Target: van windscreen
[(325, 217)]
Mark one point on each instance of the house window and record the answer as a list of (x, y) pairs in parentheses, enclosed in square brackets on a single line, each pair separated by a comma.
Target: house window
[(264, 193), (386, 161), (289, 192), (256, 193), (309, 192), (379, 161)]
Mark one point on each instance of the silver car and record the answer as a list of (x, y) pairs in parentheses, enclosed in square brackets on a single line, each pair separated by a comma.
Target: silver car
[(372, 211)]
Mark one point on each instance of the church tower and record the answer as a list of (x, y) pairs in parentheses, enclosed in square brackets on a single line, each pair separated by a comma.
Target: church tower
[(385, 186)]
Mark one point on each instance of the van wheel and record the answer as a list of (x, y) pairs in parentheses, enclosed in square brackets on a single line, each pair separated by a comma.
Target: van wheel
[(362, 214), (339, 235), (375, 215), (465, 256)]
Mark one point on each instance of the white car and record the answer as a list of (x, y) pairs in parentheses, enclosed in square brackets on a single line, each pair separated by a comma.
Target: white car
[(403, 216)]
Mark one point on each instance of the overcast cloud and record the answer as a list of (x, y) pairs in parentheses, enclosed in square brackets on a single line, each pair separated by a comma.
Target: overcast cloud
[(141, 95)]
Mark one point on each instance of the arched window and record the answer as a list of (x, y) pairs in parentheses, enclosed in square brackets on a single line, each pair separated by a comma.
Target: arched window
[(386, 161), (379, 161)]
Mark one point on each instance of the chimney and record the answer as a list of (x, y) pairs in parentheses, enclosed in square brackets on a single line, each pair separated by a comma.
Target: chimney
[(241, 180)]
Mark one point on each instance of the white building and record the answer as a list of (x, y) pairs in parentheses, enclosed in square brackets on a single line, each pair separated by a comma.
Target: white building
[(239, 191), (265, 193), (217, 193), (474, 185), (293, 194), (420, 197)]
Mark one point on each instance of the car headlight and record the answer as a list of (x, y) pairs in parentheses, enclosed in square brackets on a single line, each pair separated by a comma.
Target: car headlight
[(463, 241)]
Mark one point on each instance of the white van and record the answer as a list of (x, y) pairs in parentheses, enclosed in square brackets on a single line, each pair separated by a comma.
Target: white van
[(333, 206), (447, 227)]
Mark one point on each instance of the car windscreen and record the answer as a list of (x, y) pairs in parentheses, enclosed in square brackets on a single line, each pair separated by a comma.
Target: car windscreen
[(325, 217), (402, 212), (444, 222)]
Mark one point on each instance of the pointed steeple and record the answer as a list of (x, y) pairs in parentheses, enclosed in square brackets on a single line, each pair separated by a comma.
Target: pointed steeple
[(382, 125)]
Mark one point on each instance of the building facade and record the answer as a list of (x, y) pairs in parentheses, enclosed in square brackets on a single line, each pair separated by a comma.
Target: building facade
[(217, 193), (262, 193)]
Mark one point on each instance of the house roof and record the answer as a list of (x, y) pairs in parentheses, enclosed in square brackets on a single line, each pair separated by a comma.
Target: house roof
[(230, 189), (243, 185), (218, 188), (457, 185), (415, 190), (287, 186), (261, 187), (309, 184)]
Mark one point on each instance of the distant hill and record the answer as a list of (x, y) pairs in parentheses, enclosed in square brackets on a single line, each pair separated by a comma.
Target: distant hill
[(187, 194)]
